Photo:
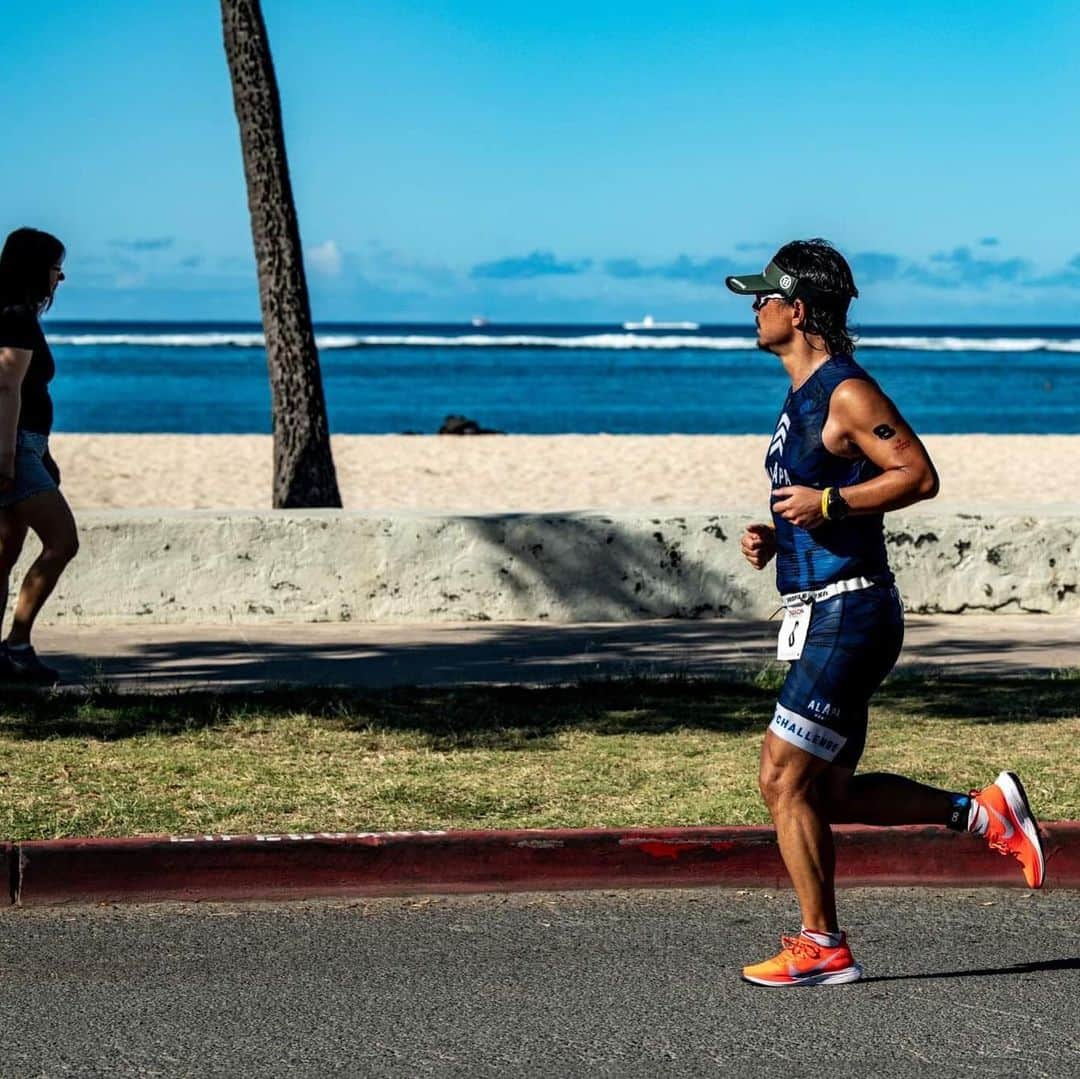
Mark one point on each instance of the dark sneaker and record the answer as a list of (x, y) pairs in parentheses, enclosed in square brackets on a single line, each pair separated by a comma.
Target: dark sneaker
[(23, 665)]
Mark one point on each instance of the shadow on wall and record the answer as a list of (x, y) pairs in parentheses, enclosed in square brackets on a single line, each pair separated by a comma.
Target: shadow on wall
[(596, 568), (315, 566)]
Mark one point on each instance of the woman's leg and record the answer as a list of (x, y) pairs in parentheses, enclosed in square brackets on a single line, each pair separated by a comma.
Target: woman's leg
[(49, 517), (12, 534)]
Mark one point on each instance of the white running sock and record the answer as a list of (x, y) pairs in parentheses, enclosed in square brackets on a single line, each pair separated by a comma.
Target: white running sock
[(826, 940)]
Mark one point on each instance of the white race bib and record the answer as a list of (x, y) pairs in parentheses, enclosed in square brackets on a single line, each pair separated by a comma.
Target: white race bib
[(793, 629)]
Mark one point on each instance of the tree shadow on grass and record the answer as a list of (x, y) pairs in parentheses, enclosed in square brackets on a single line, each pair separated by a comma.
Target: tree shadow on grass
[(980, 700), (517, 717), (457, 717)]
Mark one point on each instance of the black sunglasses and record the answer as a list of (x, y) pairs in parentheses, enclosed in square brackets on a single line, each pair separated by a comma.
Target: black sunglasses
[(761, 301)]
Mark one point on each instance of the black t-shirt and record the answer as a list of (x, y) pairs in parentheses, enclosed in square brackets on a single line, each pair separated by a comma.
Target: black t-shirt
[(19, 328)]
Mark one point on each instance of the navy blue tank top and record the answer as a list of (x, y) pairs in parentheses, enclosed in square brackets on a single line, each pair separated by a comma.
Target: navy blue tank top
[(797, 456)]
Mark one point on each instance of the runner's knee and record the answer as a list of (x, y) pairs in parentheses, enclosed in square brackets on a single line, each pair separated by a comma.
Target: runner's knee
[(779, 784)]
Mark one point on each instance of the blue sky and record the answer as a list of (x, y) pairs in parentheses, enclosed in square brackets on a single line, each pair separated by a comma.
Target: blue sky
[(577, 161)]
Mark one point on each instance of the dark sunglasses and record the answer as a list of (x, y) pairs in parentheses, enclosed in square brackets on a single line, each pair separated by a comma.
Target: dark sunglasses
[(761, 301)]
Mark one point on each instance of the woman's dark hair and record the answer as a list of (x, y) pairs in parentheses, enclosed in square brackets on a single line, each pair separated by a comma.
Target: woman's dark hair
[(822, 266), (25, 262)]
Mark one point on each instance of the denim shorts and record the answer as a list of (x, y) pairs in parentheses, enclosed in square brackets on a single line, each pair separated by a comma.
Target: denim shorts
[(31, 475), (853, 642)]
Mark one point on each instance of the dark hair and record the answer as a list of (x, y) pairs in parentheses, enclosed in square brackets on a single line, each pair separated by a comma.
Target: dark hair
[(25, 262), (822, 266)]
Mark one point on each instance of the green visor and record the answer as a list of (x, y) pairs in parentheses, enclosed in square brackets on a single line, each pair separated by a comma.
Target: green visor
[(776, 279)]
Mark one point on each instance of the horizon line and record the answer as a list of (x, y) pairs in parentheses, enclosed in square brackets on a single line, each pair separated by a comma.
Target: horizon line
[(744, 327)]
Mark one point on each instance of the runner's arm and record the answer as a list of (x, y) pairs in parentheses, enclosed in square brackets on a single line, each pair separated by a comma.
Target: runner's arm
[(866, 420)]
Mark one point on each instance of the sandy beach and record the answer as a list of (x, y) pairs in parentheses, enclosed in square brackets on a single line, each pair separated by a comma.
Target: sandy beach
[(525, 472)]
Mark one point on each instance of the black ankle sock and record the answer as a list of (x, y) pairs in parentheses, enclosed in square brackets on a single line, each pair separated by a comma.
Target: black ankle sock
[(961, 810)]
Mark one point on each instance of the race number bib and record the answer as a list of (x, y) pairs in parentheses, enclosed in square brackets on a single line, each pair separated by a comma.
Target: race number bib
[(793, 629)]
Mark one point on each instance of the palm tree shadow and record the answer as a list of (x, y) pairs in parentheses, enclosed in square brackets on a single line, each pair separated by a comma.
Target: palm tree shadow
[(982, 972)]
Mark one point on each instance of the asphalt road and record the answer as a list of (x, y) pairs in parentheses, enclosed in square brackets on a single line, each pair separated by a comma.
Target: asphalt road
[(575, 984)]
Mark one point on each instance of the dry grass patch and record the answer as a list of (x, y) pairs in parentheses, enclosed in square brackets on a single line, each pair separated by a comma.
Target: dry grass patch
[(616, 753)]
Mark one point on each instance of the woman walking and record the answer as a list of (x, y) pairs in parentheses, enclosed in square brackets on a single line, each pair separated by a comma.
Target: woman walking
[(31, 268)]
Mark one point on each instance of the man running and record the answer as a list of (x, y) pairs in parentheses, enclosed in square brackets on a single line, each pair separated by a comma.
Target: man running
[(841, 457)]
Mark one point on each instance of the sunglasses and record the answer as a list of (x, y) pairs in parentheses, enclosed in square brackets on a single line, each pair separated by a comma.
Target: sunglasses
[(761, 301)]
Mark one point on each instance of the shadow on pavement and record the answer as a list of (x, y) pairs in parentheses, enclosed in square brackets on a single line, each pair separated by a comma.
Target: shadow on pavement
[(374, 656), (983, 972), (368, 657)]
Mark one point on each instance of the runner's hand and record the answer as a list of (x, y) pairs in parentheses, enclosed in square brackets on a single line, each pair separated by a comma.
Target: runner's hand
[(799, 505), (758, 545)]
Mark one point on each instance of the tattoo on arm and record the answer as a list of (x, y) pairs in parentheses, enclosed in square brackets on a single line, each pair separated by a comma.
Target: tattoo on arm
[(884, 431), (902, 445)]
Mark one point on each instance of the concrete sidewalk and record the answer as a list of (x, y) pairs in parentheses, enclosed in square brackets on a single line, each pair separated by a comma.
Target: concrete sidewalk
[(136, 658)]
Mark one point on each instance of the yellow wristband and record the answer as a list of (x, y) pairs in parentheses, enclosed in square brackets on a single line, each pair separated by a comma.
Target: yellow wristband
[(825, 503)]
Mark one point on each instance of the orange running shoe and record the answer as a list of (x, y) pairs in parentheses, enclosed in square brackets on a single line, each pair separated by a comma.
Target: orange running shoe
[(802, 962), (1010, 825)]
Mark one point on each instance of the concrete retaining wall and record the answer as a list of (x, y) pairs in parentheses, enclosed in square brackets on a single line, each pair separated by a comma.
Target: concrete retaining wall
[(329, 565)]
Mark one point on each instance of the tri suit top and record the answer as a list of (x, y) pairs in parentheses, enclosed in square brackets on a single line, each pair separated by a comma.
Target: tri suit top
[(853, 547), (19, 328)]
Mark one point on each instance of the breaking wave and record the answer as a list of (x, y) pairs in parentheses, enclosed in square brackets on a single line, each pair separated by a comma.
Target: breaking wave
[(609, 341)]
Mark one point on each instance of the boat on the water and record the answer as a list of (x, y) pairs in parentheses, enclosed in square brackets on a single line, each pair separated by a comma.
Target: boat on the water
[(649, 323)]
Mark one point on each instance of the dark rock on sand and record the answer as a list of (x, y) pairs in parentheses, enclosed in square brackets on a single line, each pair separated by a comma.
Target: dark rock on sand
[(462, 425)]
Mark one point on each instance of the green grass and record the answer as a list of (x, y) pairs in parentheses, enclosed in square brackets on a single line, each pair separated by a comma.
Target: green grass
[(612, 753)]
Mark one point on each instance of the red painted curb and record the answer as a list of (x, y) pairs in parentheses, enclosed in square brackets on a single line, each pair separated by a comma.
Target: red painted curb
[(403, 863)]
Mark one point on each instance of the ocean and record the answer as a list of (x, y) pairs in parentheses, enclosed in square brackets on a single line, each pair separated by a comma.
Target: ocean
[(210, 378)]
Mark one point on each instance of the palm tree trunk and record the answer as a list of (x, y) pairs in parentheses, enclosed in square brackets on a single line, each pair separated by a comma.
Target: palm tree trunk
[(303, 465)]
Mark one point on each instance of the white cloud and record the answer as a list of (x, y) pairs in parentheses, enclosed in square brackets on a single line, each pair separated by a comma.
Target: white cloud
[(326, 258)]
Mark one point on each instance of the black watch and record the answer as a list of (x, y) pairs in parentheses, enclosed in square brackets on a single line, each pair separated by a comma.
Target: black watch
[(838, 508)]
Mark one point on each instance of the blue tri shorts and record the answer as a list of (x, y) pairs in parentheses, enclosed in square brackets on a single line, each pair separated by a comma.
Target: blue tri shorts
[(853, 642), (31, 475)]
